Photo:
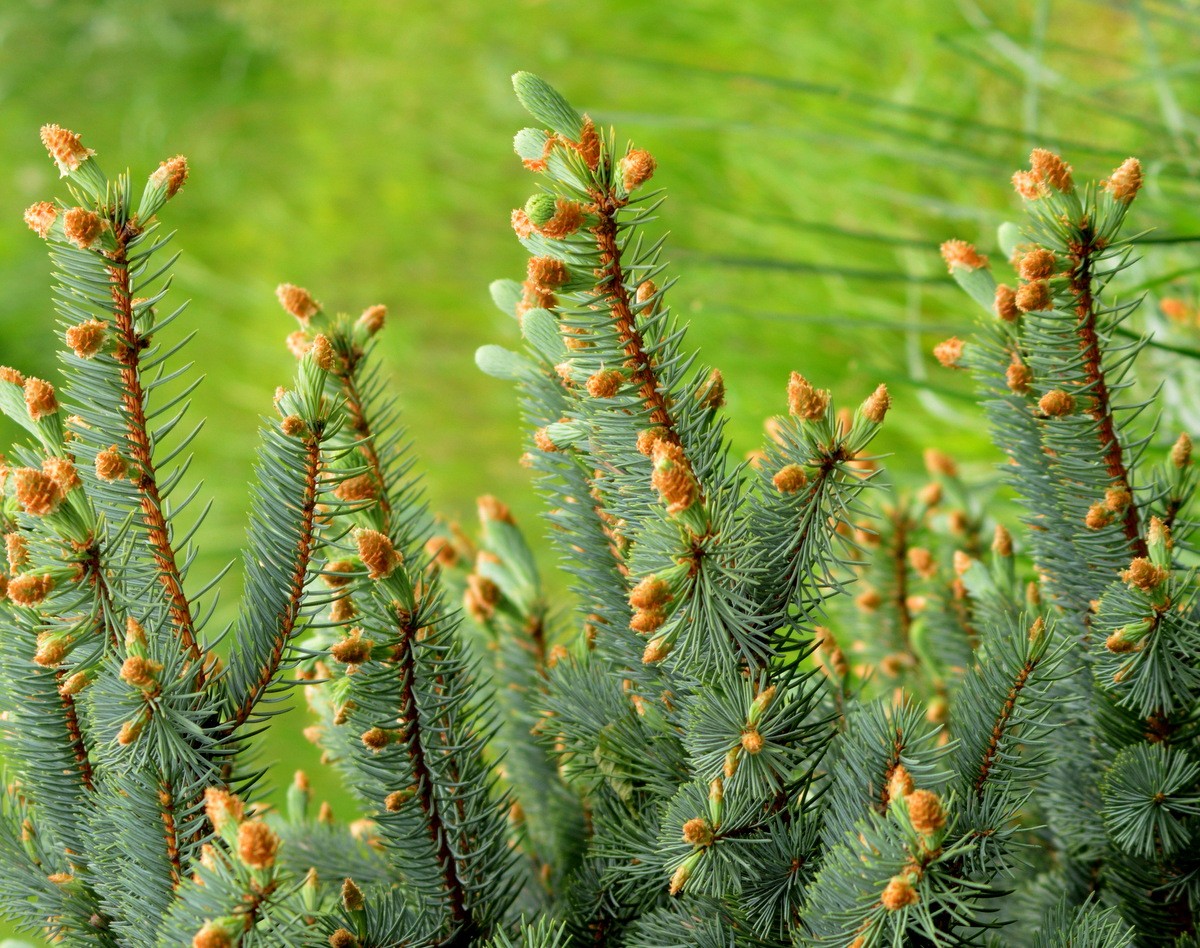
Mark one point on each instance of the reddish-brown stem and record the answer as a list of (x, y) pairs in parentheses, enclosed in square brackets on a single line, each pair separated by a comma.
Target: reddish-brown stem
[(1001, 725), (78, 747), (613, 276), (167, 802), (423, 779), (129, 347), (885, 794), (291, 609), (900, 567), (362, 428), (1093, 365), (405, 662)]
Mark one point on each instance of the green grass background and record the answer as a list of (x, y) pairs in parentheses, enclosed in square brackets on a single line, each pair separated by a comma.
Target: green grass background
[(815, 156)]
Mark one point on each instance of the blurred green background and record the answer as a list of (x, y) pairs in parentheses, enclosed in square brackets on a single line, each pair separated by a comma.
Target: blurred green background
[(815, 156)]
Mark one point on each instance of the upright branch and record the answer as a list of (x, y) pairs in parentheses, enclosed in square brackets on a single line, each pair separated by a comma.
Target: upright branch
[(129, 346)]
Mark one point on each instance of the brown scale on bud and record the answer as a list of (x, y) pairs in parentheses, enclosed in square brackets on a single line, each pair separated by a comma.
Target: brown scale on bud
[(342, 610), (959, 253), (1117, 498), (298, 343), (491, 508), (962, 562), (568, 218), (804, 401), (645, 621), (875, 408), (82, 227), (645, 291), (343, 939), (752, 741), (75, 684), (377, 553), (898, 893), (1142, 573), (293, 426), (1181, 452), (1029, 185), (222, 808), (1037, 264), (376, 739), (1006, 303), (679, 879), (40, 217), (51, 650), (212, 935), (40, 400), (352, 650), (441, 551), (372, 319), (395, 800), (322, 353), (543, 442), (637, 167), (698, 832), (36, 491), (257, 844), (86, 338), (1037, 630), (790, 479), (534, 296), (868, 601), (938, 462), (931, 494), (648, 438), (901, 784), (925, 811), (480, 598), (1056, 404), (948, 352), (922, 562), (1051, 169), (1034, 297), (352, 897), (172, 173), (110, 466), (548, 273), (673, 478), (650, 593), (1159, 533), (140, 672), (1124, 183), (1098, 517), (16, 551), (11, 376), (1018, 376), (711, 394), (656, 651), (521, 224), (605, 383), (358, 488), (65, 148), (1002, 544), (62, 471), (1116, 642), (297, 301)]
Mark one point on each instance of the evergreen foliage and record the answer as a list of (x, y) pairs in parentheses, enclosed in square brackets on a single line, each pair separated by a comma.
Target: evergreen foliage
[(684, 754)]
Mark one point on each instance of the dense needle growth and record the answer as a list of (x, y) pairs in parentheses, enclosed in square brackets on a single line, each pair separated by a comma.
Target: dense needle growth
[(784, 706)]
